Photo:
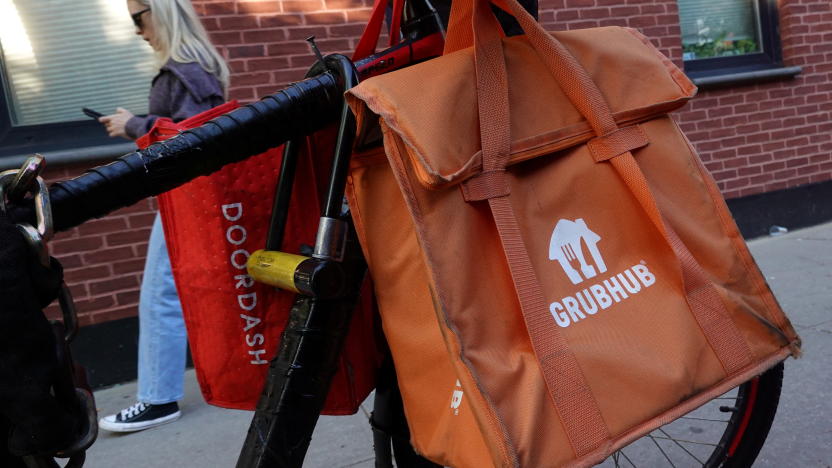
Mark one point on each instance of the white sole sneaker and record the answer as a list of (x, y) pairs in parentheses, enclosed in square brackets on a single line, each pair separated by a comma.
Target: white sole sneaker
[(110, 424)]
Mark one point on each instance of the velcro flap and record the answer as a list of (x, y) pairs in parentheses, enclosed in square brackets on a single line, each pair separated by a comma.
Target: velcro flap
[(432, 106)]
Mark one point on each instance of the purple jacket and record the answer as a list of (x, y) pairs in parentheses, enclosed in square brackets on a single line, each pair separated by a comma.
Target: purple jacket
[(179, 91)]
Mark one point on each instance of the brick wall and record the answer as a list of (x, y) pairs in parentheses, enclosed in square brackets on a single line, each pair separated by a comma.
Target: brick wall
[(753, 138), (103, 259)]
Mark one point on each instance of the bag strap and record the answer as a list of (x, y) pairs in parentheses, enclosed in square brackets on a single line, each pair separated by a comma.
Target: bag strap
[(567, 387), (369, 38)]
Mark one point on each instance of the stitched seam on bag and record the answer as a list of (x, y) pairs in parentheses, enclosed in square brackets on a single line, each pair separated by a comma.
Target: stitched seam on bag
[(726, 350), (723, 385), (372, 103), (498, 426), (773, 311), (678, 77), (729, 227)]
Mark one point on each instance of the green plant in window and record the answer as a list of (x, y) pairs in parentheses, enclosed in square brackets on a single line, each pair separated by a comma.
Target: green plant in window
[(720, 46), (716, 37)]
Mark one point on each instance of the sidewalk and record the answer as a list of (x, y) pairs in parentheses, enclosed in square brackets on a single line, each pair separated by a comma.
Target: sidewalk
[(797, 265)]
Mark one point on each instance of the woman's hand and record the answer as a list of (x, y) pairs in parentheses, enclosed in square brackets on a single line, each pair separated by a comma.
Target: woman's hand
[(115, 123)]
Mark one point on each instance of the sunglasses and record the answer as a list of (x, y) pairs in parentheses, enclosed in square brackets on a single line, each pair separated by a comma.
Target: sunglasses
[(137, 17)]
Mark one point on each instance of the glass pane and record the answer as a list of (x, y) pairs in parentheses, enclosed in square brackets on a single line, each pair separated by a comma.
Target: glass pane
[(61, 55), (719, 28)]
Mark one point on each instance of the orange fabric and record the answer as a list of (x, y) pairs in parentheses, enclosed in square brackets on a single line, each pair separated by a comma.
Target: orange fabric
[(488, 184), (588, 302), (617, 143)]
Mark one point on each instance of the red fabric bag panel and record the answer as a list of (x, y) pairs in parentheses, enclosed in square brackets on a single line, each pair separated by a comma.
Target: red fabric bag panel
[(212, 224)]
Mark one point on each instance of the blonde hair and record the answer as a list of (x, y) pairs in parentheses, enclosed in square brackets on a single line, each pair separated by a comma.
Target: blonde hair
[(181, 37)]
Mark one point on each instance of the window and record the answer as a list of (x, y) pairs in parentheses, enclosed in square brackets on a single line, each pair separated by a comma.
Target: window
[(721, 37), (57, 56)]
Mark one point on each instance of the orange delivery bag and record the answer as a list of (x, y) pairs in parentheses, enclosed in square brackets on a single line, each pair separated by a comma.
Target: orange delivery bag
[(557, 273)]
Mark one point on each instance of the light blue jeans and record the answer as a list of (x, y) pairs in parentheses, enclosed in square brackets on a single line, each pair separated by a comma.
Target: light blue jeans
[(162, 337)]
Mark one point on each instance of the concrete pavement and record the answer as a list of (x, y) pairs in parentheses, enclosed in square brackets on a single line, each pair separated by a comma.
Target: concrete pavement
[(797, 265)]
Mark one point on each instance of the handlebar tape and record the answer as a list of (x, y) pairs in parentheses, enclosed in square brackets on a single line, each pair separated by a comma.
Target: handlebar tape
[(298, 110)]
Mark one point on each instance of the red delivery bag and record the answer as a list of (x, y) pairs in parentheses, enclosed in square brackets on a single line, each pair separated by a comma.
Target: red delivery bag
[(212, 224)]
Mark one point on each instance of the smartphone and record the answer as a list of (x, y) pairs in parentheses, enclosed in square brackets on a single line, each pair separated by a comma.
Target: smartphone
[(91, 113)]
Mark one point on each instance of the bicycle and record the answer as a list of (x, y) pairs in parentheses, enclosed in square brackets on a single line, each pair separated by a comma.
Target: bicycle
[(299, 375)]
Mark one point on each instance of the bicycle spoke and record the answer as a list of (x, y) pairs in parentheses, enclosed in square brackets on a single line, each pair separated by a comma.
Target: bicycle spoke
[(681, 446), (627, 458), (686, 441), (661, 450), (704, 419)]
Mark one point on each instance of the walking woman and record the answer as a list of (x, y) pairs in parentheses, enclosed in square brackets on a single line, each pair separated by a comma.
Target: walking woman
[(192, 78)]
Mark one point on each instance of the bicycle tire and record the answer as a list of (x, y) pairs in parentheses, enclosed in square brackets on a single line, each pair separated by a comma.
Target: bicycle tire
[(752, 414)]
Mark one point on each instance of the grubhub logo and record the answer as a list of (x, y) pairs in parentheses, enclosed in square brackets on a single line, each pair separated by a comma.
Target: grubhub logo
[(566, 247), (575, 247)]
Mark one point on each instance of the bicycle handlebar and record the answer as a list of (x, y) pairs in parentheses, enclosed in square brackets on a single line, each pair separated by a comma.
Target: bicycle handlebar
[(300, 109)]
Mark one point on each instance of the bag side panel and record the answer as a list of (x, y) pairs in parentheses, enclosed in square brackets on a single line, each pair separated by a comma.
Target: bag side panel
[(438, 411), (646, 328), (691, 203)]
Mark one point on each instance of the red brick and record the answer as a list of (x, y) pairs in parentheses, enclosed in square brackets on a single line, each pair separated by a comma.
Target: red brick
[(341, 4), (128, 237), (128, 266), (108, 255), (289, 48), (256, 7), (301, 33), (230, 23), (246, 51), (358, 16), (344, 30), (127, 297), (72, 260), (79, 244), (98, 226), (94, 304), (268, 64), (220, 8), (141, 220), (241, 94), (302, 6), (77, 275), (226, 38), (117, 283), (252, 79), (114, 314), (326, 18), (264, 36)]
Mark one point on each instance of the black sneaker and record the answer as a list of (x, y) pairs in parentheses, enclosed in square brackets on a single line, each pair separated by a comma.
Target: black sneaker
[(140, 416)]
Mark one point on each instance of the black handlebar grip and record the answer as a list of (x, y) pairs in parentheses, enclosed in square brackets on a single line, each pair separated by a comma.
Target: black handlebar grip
[(298, 110)]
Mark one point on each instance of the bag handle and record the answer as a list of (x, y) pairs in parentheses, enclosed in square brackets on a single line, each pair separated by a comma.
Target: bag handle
[(369, 38), (473, 23)]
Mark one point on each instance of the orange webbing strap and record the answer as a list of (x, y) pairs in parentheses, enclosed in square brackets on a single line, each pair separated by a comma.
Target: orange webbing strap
[(565, 382), (573, 399), (704, 301)]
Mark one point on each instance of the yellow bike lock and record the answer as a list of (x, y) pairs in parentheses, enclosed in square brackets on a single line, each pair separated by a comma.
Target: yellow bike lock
[(305, 275)]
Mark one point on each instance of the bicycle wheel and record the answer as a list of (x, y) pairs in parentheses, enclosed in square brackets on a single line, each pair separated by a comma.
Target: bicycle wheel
[(728, 431)]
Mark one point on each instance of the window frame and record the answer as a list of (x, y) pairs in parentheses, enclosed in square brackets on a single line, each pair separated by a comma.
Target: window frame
[(26, 139), (771, 56)]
